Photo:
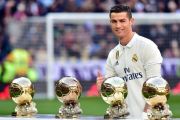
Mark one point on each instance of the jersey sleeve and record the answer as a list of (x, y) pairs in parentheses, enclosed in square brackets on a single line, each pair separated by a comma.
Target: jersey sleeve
[(109, 67), (152, 60)]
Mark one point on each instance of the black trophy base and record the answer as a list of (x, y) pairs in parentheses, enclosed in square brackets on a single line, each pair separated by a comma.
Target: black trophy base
[(164, 118), (14, 114), (57, 116), (60, 116), (106, 116)]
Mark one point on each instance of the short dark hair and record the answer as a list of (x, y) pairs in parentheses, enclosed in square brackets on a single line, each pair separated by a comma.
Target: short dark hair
[(121, 8)]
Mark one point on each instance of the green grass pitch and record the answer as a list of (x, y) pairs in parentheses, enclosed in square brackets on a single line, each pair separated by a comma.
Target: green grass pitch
[(94, 106)]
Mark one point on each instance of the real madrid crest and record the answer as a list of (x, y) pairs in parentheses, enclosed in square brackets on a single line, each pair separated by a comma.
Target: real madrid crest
[(134, 58)]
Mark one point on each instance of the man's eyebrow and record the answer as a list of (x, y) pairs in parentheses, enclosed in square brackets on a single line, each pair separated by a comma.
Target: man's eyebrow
[(123, 19), (119, 19)]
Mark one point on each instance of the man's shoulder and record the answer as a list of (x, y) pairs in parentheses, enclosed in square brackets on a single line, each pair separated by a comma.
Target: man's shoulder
[(145, 44), (145, 41), (116, 48)]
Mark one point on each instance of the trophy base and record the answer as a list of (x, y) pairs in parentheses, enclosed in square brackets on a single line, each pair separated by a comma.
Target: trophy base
[(60, 116), (117, 111), (71, 110), (14, 114), (159, 112), (25, 110), (106, 116), (160, 119)]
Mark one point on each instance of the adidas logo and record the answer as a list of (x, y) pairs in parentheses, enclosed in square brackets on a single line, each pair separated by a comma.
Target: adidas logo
[(117, 63)]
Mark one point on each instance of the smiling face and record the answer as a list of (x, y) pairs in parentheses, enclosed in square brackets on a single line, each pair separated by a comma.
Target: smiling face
[(121, 26)]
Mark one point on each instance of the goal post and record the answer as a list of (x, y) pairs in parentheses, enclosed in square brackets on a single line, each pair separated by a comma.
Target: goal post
[(50, 58), (93, 18)]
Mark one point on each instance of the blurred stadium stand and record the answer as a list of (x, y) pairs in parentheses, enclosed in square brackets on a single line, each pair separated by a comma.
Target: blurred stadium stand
[(79, 49)]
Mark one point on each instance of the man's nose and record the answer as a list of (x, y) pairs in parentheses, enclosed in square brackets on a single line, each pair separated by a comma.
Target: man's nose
[(118, 25)]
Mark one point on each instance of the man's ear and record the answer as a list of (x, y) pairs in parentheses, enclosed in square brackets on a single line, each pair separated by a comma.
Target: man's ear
[(131, 21)]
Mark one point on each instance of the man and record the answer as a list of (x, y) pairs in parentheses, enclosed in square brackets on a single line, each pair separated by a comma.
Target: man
[(134, 59), (22, 62)]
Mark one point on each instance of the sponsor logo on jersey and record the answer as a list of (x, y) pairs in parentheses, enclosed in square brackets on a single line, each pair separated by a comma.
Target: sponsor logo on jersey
[(134, 58), (131, 76)]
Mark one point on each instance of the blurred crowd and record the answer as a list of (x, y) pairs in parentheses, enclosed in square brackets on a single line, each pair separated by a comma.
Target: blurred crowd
[(97, 40), (82, 41)]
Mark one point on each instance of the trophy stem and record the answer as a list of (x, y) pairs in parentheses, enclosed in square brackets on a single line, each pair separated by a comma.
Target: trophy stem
[(117, 111)]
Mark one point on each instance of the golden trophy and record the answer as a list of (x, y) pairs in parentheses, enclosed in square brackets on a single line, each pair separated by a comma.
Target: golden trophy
[(156, 92), (114, 91), (68, 91), (21, 91)]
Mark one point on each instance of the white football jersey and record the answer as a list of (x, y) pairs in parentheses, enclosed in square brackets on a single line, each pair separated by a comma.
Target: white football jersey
[(139, 60)]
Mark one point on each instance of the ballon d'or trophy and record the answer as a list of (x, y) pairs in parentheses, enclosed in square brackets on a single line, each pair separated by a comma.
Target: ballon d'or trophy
[(68, 91), (114, 91), (156, 92), (21, 91)]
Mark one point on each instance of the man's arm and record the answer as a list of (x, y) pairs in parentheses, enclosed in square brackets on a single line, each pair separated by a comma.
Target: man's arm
[(144, 114), (152, 60), (152, 63), (146, 107)]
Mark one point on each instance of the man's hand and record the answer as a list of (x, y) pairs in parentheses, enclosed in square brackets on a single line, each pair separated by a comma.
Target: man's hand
[(99, 80)]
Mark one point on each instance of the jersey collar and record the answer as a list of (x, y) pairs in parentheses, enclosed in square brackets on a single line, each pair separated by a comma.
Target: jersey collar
[(135, 36)]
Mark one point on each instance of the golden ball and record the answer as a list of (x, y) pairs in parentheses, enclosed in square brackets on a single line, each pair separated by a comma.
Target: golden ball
[(21, 90), (68, 89), (114, 90), (155, 90)]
